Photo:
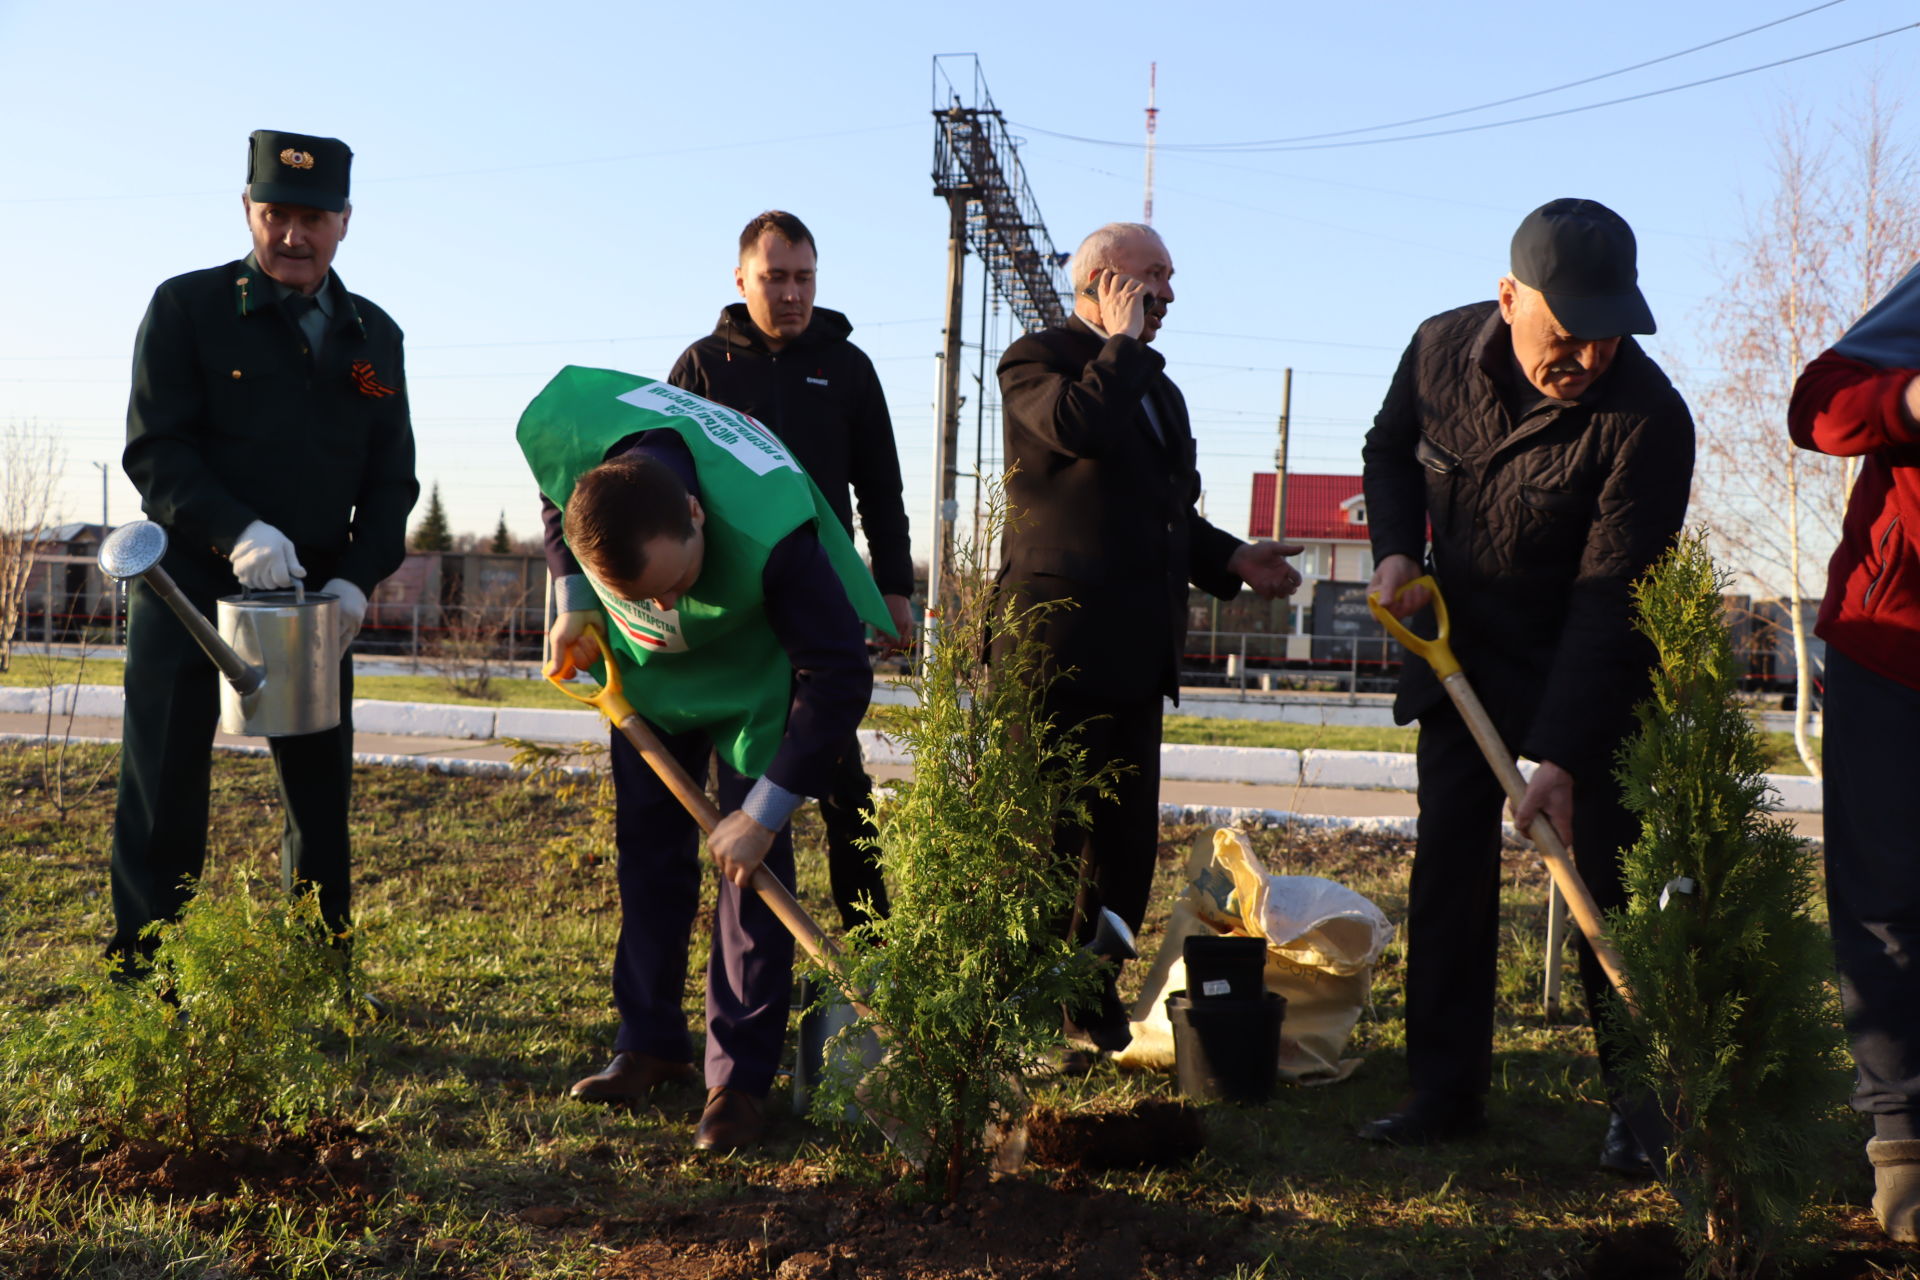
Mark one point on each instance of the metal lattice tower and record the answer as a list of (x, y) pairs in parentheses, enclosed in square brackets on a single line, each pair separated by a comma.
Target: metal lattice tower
[(976, 165), (976, 169)]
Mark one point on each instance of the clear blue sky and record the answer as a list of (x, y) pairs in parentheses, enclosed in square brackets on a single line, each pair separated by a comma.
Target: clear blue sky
[(563, 183)]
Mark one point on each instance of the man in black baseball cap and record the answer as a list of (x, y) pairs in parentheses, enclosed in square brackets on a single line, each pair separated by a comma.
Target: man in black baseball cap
[(1534, 460), (268, 432), (1580, 256)]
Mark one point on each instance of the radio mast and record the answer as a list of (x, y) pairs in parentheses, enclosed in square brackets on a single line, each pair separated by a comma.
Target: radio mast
[(1153, 118)]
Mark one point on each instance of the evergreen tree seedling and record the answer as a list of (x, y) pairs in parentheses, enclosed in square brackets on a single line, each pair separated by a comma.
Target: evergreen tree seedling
[(1738, 1030), (222, 1033), (967, 975)]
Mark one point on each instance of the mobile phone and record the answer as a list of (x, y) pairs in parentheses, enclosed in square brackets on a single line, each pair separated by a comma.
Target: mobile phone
[(1156, 305)]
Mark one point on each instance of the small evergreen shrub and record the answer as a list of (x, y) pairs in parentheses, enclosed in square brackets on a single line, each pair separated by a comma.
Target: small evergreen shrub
[(218, 1036), (967, 974), (1738, 1032)]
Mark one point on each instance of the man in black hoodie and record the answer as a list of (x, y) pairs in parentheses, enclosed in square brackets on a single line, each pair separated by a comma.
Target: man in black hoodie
[(787, 364)]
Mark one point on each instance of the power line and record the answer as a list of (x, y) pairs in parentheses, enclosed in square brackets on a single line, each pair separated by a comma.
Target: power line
[(1254, 148), (1502, 102)]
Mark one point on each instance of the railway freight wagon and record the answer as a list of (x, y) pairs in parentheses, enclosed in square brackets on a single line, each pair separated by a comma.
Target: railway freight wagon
[(1239, 640), (439, 598)]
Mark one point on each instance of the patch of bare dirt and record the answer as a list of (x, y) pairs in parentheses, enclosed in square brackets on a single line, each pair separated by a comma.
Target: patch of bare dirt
[(1010, 1230), (330, 1164), (1151, 1132), (1653, 1252)]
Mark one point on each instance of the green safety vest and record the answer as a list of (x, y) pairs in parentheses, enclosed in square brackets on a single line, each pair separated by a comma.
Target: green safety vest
[(711, 663)]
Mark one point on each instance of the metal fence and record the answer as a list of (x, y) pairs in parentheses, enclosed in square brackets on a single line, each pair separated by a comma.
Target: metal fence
[(1265, 660), (69, 601)]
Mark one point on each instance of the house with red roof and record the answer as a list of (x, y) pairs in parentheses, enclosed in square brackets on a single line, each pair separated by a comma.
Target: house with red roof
[(1325, 514)]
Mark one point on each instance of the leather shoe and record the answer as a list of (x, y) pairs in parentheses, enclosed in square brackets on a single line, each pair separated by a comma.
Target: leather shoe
[(1422, 1122), (630, 1077), (1621, 1152), (1105, 1025), (731, 1121)]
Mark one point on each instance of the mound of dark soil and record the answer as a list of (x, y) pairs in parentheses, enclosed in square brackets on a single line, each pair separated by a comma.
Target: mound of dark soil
[(1153, 1131), (1652, 1251), (330, 1163), (1011, 1230)]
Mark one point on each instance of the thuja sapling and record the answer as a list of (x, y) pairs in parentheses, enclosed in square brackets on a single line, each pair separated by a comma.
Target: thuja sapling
[(223, 1032), (968, 973), (1738, 1026)]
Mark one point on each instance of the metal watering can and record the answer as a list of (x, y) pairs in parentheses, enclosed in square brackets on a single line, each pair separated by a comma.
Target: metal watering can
[(279, 650)]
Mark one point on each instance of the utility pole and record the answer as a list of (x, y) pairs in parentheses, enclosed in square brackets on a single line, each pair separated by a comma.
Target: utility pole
[(1280, 459), (103, 497), (1153, 118), (992, 213), (947, 411)]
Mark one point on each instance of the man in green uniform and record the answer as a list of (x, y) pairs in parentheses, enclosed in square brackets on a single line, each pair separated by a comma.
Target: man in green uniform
[(733, 599), (268, 432)]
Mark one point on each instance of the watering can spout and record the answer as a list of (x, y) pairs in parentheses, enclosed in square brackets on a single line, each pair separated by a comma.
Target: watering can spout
[(135, 551)]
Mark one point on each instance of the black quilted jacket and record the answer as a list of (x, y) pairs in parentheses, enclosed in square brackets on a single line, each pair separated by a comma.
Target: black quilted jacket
[(1538, 532)]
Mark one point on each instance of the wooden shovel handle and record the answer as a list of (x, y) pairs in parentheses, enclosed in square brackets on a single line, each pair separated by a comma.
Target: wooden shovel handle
[(1553, 850), (610, 700), (791, 914)]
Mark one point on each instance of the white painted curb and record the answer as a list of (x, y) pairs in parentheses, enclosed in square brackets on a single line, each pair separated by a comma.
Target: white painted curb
[(877, 748), (542, 725), (423, 719), (1181, 762), (1797, 793), (1185, 762), (33, 702), (1393, 769)]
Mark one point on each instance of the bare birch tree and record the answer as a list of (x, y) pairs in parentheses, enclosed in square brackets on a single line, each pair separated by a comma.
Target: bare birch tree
[(1832, 236), (30, 465)]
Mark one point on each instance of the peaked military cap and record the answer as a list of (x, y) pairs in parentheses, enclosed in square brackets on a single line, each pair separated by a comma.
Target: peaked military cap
[(296, 168)]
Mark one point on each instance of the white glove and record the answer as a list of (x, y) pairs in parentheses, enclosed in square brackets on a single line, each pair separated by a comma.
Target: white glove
[(264, 558), (353, 608)]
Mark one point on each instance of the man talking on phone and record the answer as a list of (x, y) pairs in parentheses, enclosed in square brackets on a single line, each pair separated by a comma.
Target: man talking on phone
[(1102, 485)]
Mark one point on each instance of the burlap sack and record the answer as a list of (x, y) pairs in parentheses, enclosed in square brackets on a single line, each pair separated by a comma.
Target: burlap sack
[(1322, 941)]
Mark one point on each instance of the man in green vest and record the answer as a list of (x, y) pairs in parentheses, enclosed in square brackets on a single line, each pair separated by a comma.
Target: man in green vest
[(733, 601), (268, 432)]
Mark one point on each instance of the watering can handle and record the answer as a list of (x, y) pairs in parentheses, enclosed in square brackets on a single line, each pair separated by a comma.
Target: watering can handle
[(1437, 652)]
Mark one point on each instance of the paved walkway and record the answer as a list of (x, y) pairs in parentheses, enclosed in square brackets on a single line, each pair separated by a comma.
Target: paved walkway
[(1335, 802)]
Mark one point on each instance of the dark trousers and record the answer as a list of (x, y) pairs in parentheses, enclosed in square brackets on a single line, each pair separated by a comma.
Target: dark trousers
[(160, 816), (1453, 907), (750, 969), (1873, 885), (1116, 849), (853, 865)]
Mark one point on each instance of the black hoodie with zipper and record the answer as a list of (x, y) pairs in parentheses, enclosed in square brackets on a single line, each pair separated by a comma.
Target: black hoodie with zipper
[(819, 393)]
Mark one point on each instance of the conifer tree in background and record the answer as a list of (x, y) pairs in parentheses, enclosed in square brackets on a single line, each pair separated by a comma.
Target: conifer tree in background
[(502, 543), (1739, 1026), (433, 533), (968, 972)]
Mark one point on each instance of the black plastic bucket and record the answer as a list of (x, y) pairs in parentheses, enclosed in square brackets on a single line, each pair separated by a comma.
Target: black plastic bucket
[(1227, 1050), (1224, 968)]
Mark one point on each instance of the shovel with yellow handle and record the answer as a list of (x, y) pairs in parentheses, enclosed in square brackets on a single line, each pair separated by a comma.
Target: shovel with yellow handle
[(1553, 850), (1650, 1118), (612, 703)]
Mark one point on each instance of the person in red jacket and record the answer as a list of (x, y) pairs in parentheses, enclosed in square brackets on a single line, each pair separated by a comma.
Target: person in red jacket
[(1861, 399)]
